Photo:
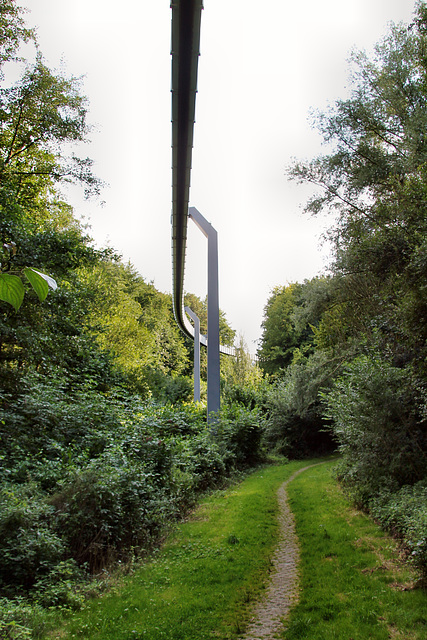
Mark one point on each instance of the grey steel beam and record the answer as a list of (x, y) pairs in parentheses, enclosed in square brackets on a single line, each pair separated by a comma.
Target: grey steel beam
[(213, 312), (196, 320), (186, 19)]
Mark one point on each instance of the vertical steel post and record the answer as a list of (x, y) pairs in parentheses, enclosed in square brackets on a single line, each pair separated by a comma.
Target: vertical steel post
[(196, 321), (213, 313)]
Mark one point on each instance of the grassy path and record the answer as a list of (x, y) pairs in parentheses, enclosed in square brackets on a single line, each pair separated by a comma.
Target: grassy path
[(281, 593), (205, 581), (353, 584)]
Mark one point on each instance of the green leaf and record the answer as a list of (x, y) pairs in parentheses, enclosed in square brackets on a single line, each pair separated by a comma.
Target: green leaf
[(50, 281), (11, 290), (38, 281)]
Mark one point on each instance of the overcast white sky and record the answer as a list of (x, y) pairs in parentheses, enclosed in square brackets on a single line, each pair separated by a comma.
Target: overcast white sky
[(263, 66)]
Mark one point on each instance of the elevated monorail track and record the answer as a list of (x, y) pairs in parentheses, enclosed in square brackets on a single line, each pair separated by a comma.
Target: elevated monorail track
[(186, 17)]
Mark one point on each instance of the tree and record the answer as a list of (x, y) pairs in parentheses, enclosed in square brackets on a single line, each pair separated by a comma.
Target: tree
[(242, 379), (12, 31), (291, 316), (279, 338), (200, 308), (39, 115), (375, 182)]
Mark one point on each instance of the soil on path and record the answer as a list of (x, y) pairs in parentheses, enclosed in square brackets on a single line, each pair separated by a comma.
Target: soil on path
[(282, 590)]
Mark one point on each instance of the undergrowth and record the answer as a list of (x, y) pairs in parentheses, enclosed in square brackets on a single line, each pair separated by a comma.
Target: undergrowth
[(89, 482), (203, 581)]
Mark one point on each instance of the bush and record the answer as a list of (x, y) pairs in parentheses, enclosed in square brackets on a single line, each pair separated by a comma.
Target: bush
[(29, 547), (180, 420), (100, 479), (247, 395), (17, 619), (295, 426), (240, 432), (58, 587), (201, 458), (48, 423), (115, 504), (170, 388), (404, 513), (373, 408)]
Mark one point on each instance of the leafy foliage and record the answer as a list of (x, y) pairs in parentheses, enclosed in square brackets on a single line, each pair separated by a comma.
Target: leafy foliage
[(89, 478), (242, 380), (295, 425), (377, 419), (405, 513), (29, 546), (291, 318), (365, 358)]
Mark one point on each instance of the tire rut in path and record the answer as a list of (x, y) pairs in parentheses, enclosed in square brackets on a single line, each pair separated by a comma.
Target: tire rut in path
[(282, 591)]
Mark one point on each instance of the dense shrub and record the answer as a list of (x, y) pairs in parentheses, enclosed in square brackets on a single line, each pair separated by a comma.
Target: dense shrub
[(247, 395), (59, 586), (17, 619), (179, 420), (101, 478), (295, 426), (378, 417), (114, 504), (48, 423), (377, 421), (240, 433), (29, 545), (404, 513), (200, 458), (170, 388)]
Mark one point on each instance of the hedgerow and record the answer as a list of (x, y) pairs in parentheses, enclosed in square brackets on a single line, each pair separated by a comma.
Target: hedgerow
[(101, 478), (404, 513)]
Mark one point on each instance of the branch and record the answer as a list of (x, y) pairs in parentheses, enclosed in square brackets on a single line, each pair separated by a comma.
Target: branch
[(15, 133)]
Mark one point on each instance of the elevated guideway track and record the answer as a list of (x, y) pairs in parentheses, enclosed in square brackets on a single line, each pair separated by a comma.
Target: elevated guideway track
[(186, 18)]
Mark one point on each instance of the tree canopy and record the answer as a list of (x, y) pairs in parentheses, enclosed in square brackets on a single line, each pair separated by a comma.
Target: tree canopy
[(374, 183)]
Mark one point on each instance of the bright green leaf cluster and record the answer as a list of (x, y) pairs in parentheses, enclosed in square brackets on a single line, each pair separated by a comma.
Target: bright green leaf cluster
[(12, 288)]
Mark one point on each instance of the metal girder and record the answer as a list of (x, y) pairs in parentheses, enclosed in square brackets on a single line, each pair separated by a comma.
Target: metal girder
[(213, 312), (196, 320)]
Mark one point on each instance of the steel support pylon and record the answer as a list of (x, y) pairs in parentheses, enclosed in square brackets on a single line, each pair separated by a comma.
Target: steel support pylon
[(196, 321), (213, 314)]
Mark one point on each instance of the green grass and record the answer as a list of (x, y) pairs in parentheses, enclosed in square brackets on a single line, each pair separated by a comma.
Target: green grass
[(203, 580), (353, 585)]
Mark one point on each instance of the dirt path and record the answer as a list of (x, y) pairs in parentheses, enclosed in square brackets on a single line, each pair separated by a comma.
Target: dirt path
[(282, 591)]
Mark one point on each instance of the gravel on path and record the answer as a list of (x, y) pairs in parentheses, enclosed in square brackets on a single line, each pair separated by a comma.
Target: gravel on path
[(282, 591)]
